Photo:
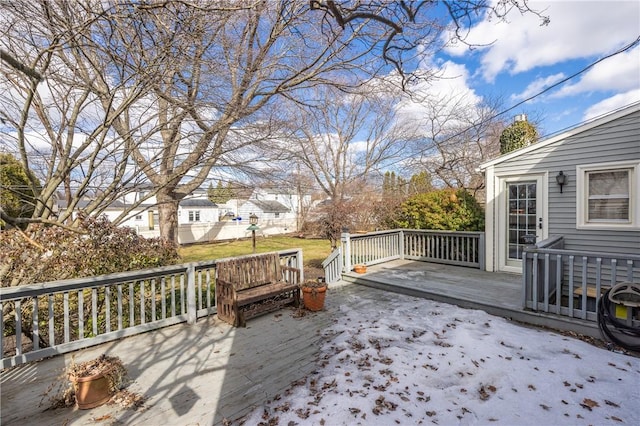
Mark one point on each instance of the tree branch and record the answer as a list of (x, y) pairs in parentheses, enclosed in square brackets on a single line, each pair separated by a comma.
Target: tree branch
[(19, 66)]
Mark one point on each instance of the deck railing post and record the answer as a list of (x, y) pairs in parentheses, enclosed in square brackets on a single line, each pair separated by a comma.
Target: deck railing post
[(299, 265), (481, 249), (401, 244), (345, 239), (535, 279), (191, 295), (525, 277)]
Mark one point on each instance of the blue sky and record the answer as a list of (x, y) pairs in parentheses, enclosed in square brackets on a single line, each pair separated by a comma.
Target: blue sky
[(524, 58)]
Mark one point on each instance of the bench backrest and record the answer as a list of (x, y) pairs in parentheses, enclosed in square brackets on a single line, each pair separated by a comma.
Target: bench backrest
[(249, 272)]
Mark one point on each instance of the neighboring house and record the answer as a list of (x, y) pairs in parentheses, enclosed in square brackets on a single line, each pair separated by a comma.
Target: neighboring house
[(597, 209), (201, 220), (297, 203), (266, 210), (273, 217), (196, 208), (294, 204)]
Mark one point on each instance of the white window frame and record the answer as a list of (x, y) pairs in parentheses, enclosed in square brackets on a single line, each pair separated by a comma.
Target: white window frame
[(582, 196), (194, 215)]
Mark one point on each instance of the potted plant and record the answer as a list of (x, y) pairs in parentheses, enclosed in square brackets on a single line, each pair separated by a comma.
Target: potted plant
[(97, 380), (313, 294)]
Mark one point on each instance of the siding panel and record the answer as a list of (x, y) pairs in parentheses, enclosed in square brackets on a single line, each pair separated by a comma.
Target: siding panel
[(618, 140)]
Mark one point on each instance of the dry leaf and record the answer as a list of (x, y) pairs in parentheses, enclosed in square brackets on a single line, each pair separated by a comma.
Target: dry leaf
[(589, 404)]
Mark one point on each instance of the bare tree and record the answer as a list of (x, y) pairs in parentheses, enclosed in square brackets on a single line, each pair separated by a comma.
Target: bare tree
[(456, 137), (412, 23), (62, 128), (151, 92), (341, 138)]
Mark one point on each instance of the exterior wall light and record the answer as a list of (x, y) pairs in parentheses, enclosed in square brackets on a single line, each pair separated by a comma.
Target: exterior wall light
[(561, 179)]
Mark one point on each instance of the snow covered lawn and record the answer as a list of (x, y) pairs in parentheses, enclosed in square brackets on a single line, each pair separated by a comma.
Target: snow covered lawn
[(413, 361)]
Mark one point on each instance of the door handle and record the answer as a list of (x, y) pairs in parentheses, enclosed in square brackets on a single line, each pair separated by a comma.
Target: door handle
[(540, 223)]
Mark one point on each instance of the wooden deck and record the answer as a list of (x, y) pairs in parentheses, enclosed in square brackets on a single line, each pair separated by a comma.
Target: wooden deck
[(202, 374), (493, 292), (210, 373)]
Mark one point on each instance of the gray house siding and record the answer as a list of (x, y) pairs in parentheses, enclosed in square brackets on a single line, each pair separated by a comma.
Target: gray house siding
[(618, 140)]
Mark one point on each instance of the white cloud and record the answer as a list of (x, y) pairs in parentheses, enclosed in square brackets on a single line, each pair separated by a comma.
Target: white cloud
[(442, 97), (612, 103), (619, 73), (537, 86), (359, 146), (577, 30)]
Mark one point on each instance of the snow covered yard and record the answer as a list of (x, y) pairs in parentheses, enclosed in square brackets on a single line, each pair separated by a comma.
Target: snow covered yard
[(414, 361)]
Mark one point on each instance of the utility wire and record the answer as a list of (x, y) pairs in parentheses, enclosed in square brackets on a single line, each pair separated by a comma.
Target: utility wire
[(572, 76), (556, 84)]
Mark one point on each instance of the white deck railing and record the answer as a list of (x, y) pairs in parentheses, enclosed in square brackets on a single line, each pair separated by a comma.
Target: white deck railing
[(570, 283), (450, 247), (61, 316), (332, 266)]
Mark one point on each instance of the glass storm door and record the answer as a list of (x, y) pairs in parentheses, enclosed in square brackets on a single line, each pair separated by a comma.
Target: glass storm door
[(523, 218)]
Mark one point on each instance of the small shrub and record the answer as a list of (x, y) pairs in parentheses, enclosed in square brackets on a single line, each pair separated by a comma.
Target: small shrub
[(445, 209), (95, 247)]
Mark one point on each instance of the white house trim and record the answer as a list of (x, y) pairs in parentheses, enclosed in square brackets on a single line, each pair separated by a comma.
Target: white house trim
[(496, 227), (634, 195)]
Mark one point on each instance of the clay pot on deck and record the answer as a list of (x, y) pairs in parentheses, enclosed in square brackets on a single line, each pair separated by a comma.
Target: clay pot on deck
[(313, 295), (92, 391), (360, 269), (97, 380)]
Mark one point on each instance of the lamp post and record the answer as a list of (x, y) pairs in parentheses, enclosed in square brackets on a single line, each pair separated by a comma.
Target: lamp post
[(253, 220)]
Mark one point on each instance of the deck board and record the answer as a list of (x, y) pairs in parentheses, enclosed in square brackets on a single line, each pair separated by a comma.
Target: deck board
[(493, 292), (210, 371), (201, 374), (448, 282)]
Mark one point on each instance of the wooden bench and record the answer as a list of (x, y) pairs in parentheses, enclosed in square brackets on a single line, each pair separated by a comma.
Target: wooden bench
[(254, 285)]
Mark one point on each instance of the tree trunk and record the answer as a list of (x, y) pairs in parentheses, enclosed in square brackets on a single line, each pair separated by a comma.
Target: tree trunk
[(168, 215)]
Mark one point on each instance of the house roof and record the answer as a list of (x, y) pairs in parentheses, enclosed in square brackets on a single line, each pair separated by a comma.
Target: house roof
[(269, 206), (197, 202), (116, 204), (598, 121), (82, 203)]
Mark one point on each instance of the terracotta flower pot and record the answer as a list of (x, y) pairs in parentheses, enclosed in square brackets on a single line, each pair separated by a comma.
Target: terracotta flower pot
[(360, 269), (92, 391), (313, 297)]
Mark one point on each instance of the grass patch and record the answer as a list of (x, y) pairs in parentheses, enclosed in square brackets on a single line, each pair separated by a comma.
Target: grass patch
[(314, 251)]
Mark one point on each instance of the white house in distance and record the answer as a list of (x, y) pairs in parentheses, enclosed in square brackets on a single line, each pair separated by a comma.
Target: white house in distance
[(273, 217), (275, 208), (194, 209), (200, 220)]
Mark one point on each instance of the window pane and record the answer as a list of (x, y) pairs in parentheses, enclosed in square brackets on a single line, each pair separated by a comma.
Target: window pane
[(608, 195), (609, 183), (612, 208)]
